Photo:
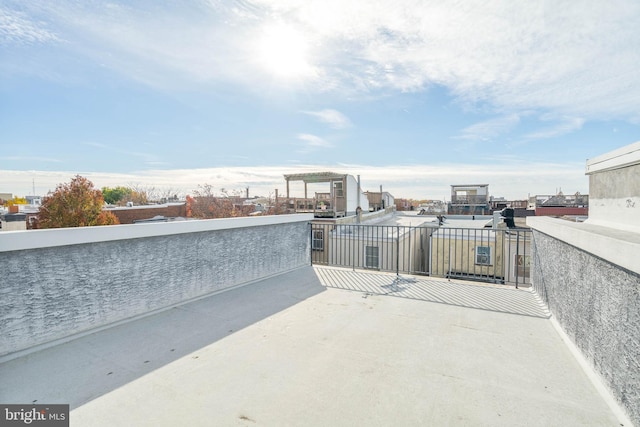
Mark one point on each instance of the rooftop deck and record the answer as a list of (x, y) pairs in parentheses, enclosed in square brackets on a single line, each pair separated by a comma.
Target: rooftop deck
[(322, 346)]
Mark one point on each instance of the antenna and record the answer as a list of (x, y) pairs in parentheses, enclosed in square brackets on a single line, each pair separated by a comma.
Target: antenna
[(34, 186)]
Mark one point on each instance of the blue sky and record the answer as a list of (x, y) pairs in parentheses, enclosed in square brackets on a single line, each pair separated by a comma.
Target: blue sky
[(411, 95)]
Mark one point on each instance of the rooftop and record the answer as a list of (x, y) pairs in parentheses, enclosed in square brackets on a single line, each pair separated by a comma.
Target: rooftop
[(323, 346)]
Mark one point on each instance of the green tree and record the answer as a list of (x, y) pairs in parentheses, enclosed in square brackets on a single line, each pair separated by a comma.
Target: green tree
[(75, 204), (113, 195)]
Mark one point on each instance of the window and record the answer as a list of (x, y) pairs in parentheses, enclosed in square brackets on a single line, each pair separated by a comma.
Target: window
[(337, 186), (371, 259), (317, 240), (483, 255)]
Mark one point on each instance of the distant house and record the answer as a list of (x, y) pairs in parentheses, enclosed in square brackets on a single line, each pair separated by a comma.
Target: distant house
[(132, 214), (341, 195), (432, 207), (5, 197), (520, 207), (463, 247), (13, 221), (35, 201), (470, 199), (374, 244), (379, 200), (479, 247), (560, 204)]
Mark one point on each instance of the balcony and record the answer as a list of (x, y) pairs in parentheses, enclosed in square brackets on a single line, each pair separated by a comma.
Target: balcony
[(469, 200), (225, 322), (322, 205)]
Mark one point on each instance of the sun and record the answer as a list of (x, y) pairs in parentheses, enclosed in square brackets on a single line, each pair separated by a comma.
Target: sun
[(283, 51)]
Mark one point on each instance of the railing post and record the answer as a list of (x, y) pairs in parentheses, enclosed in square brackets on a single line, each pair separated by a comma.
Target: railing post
[(517, 253), (431, 253), (397, 251), (311, 243)]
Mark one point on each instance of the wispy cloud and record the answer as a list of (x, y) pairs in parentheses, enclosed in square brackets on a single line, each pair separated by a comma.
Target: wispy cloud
[(508, 178), (95, 144), (17, 28), (314, 140), (489, 129), (31, 159), (566, 125), (149, 158), (334, 118), (563, 57)]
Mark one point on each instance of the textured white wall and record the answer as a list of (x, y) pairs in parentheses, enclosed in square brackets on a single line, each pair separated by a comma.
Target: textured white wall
[(597, 304), (63, 288)]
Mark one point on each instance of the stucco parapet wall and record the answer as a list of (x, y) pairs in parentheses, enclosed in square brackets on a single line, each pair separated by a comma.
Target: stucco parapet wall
[(622, 157), (32, 239), (619, 247)]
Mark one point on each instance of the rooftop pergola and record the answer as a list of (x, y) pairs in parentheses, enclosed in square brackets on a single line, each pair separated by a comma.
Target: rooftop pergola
[(313, 178)]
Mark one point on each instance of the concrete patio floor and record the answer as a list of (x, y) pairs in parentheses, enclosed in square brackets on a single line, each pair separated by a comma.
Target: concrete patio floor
[(322, 347)]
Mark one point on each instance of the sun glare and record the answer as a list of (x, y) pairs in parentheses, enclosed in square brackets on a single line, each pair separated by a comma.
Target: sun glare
[(283, 51)]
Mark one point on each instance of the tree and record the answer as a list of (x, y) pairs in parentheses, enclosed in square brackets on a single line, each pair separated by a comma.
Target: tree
[(17, 201), (114, 195), (75, 204), (204, 204), (144, 194)]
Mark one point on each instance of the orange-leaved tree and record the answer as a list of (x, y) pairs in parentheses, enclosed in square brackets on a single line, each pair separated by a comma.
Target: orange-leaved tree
[(74, 204), (206, 205)]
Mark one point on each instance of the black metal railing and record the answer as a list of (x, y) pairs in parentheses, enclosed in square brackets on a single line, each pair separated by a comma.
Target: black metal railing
[(491, 255)]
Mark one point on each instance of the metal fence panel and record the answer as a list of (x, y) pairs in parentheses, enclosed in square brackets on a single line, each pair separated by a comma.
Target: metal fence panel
[(491, 255)]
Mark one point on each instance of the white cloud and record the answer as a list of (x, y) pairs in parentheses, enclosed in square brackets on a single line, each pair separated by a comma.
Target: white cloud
[(313, 140), (578, 59), (335, 119), (95, 144), (511, 179), (566, 125), (489, 129), (31, 159), (16, 28)]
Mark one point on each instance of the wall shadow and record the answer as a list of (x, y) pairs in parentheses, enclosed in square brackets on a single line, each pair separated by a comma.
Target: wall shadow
[(90, 366)]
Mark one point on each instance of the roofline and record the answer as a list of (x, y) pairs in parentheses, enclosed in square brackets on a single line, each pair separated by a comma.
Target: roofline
[(315, 176)]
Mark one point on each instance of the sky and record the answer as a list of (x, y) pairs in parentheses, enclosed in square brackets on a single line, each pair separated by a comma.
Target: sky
[(413, 96)]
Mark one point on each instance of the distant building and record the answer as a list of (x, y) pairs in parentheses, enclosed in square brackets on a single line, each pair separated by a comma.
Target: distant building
[(520, 207), (343, 198), (469, 200), (13, 221), (560, 205), (379, 200), (133, 214), (432, 207), (481, 247), (35, 201), (405, 204)]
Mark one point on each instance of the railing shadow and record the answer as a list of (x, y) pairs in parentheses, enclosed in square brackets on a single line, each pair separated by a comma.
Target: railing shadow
[(479, 296), (88, 367)]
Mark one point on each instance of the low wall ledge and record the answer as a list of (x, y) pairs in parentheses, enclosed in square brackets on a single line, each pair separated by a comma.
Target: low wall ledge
[(620, 247), (622, 157), (33, 239)]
